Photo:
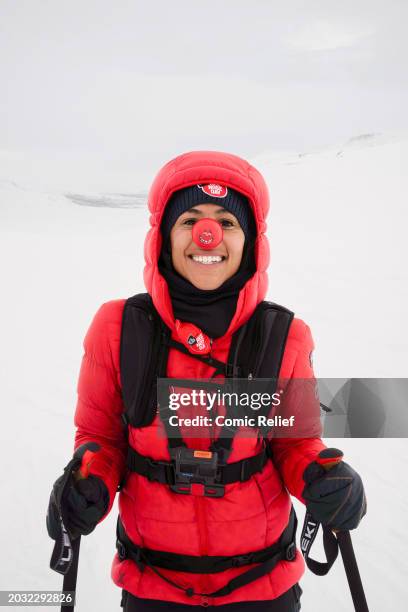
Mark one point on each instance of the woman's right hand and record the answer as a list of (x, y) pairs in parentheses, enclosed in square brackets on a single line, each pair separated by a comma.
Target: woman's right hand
[(84, 503)]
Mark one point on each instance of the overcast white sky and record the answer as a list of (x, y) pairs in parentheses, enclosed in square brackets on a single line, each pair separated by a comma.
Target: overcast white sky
[(142, 81)]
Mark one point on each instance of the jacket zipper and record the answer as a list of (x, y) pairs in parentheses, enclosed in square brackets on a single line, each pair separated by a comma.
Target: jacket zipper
[(201, 515), (202, 532), (202, 523)]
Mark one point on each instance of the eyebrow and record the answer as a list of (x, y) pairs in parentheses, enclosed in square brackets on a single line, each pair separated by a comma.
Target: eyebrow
[(195, 211)]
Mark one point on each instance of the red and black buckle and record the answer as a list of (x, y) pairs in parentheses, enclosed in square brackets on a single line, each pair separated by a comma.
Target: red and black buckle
[(196, 472)]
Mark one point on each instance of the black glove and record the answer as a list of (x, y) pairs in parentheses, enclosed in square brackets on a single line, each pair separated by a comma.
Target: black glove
[(84, 502), (334, 497)]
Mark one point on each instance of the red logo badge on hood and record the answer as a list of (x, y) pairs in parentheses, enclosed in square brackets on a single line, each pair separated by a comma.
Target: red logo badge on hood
[(213, 190)]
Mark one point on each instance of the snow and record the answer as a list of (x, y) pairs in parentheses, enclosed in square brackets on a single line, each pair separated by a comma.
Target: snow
[(72, 235)]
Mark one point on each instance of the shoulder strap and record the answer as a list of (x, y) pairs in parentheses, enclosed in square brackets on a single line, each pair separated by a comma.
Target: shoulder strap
[(257, 348), (259, 345), (143, 357)]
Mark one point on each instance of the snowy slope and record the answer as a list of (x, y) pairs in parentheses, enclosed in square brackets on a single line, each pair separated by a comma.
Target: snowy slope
[(338, 258)]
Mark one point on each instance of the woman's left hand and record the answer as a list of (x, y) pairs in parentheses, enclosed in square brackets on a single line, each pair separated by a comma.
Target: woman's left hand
[(336, 497)]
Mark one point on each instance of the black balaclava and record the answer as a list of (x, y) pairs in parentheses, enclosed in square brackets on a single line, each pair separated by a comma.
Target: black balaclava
[(211, 310)]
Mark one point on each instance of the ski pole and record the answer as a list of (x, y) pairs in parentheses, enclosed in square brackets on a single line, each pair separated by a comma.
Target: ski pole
[(352, 571), (333, 540)]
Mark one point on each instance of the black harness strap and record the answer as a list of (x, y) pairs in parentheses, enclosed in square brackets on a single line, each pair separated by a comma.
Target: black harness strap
[(163, 471), (220, 367), (267, 558)]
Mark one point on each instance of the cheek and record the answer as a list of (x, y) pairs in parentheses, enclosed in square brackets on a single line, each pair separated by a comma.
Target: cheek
[(235, 245), (179, 241)]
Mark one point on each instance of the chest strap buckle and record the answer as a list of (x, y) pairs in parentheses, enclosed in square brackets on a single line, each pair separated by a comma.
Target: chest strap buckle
[(194, 467)]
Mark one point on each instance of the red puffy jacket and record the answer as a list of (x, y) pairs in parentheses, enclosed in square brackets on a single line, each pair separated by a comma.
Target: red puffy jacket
[(252, 514)]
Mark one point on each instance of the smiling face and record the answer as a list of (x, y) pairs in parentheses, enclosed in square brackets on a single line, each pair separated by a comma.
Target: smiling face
[(206, 269)]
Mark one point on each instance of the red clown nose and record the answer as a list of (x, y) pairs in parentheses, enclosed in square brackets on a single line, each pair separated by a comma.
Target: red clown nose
[(207, 233)]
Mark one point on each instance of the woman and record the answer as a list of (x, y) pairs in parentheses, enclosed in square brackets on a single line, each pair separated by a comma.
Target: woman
[(170, 544)]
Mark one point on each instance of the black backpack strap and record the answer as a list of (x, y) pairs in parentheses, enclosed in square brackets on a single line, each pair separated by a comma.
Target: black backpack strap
[(143, 357), (257, 349), (261, 349)]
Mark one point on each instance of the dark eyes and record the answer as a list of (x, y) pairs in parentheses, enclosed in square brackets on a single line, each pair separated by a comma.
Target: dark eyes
[(223, 222), (226, 223)]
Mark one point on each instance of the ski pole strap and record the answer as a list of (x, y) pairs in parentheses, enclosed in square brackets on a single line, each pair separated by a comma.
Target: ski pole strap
[(70, 578), (330, 544), (267, 558)]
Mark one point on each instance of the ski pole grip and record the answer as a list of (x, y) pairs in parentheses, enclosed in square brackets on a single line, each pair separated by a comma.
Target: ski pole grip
[(84, 456), (329, 457)]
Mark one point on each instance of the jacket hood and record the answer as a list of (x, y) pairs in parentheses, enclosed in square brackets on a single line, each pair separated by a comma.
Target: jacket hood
[(207, 167)]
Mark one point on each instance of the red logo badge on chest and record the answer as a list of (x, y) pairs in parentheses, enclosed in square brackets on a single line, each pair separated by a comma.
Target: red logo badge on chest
[(214, 190), (193, 338)]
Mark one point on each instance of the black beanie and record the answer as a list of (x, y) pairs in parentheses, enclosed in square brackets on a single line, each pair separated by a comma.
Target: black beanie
[(184, 199)]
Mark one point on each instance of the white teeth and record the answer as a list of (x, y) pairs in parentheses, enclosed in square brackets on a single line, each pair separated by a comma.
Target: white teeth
[(207, 259)]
